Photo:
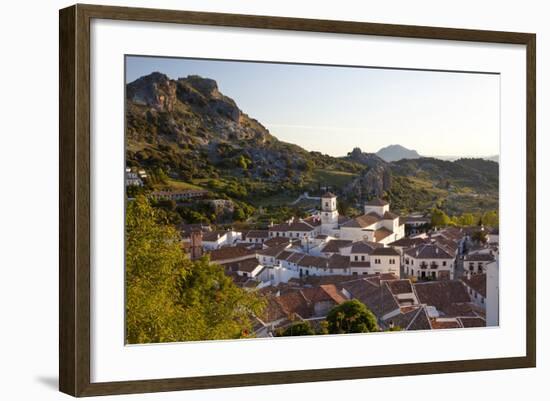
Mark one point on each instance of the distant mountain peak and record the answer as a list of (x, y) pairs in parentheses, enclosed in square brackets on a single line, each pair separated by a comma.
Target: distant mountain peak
[(393, 153)]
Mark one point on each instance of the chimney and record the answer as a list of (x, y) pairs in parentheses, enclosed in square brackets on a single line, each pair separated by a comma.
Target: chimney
[(196, 245)]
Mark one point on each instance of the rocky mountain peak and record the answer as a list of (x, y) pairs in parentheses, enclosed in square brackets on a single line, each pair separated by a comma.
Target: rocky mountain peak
[(155, 90)]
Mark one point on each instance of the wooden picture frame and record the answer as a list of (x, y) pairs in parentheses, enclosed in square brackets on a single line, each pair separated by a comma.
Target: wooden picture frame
[(74, 203)]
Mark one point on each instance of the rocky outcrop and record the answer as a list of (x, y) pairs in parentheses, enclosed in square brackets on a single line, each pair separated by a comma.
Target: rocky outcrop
[(155, 90), (188, 124), (373, 183)]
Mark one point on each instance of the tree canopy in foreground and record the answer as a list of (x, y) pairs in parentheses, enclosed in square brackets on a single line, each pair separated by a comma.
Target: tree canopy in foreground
[(170, 298), (351, 317)]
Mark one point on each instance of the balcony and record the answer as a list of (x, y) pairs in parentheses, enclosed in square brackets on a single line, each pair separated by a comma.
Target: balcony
[(423, 265)]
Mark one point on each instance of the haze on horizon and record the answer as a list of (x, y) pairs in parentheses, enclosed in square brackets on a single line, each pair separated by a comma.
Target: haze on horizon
[(335, 109)]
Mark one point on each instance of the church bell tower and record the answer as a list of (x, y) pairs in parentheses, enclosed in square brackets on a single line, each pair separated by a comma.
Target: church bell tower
[(329, 213)]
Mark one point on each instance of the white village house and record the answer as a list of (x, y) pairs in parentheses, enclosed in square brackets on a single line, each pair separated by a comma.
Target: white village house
[(429, 261)]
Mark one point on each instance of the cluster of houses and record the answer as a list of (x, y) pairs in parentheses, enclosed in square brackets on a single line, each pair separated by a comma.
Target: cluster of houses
[(134, 177), (428, 280)]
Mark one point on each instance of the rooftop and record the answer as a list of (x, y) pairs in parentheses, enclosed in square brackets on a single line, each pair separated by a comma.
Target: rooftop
[(230, 253), (478, 283), (377, 202), (428, 251), (385, 251)]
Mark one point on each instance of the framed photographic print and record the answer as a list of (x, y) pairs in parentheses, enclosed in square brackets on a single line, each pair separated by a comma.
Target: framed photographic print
[(250, 200)]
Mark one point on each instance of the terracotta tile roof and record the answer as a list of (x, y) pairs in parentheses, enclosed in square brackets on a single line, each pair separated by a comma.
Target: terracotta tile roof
[(466, 309), (273, 251), (301, 226), (230, 253), (438, 324), (314, 261), (294, 302), (295, 257), (338, 262), (246, 265), (361, 221), (277, 241), (407, 242), (421, 321), (365, 247), (479, 257), (385, 251), (390, 216), (377, 202), (411, 318), (449, 245), (428, 251), (381, 233), (319, 280), (334, 245), (378, 298), (468, 322), (452, 233), (400, 286), (274, 310), (323, 293), (257, 234), (284, 255), (446, 296), (478, 283)]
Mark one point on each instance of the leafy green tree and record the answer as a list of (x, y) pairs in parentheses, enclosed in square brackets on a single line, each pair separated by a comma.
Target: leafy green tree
[(467, 219), (154, 259), (215, 308), (170, 298), (351, 317), (480, 236), (297, 329), (440, 218), (490, 218)]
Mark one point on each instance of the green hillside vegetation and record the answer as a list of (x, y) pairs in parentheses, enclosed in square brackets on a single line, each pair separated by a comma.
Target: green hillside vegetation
[(188, 135)]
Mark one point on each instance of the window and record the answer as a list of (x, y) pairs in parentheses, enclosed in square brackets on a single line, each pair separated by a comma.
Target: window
[(363, 257), (326, 204), (356, 258), (444, 263), (482, 300), (377, 261)]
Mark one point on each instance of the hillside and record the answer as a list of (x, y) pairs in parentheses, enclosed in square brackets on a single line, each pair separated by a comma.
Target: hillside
[(463, 185), (187, 134), (187, 131)]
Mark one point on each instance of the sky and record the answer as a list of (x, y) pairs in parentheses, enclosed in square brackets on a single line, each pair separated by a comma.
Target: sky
[(333, 109)]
